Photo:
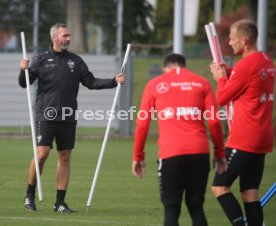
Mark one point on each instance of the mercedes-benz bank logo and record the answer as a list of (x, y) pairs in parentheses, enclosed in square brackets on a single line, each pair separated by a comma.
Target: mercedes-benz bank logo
[(162, 87)]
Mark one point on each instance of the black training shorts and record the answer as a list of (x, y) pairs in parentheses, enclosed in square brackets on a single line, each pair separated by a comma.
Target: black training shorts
[(63, 132), (187, 173), (247, 166)]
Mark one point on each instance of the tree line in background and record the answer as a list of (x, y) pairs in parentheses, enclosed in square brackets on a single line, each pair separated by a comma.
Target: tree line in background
[(138, 15), (231, 11), (17, 15)]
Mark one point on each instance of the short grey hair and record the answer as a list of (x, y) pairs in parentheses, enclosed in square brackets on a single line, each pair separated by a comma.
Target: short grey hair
[(55, 27)]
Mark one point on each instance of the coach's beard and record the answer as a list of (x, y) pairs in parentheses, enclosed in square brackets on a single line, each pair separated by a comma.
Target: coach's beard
[(65, 46)]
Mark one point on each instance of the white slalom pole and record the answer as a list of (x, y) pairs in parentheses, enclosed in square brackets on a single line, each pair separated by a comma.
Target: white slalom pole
[(217, 57), (106, 133), (215, 39), (209, 36), (31, 119)]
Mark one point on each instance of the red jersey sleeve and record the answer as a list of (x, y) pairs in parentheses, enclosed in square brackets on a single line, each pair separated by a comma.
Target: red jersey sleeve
[(143, 123), (214, 123), (229, 90), (228, 71)]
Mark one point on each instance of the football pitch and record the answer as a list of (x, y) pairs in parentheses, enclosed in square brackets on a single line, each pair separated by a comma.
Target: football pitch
[(119, 199)]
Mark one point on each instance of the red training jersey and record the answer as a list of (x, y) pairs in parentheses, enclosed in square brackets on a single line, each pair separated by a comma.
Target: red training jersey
[(250, 87), (181, 101)]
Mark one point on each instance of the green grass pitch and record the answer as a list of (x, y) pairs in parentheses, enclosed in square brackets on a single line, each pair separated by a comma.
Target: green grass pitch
[(119, 199)]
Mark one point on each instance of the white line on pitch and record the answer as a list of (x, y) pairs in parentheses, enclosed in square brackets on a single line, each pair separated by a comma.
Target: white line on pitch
[(72, 220)]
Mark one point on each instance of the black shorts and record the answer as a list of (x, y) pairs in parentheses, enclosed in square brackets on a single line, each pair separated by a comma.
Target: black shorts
[(63, 132), (247, 166), (187, 173)]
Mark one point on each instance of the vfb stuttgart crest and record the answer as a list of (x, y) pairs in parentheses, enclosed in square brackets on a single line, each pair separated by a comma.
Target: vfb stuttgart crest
[(263, 74), (71, 65)]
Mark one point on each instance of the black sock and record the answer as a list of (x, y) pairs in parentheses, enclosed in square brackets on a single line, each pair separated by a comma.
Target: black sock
[(254, 213), (232, 209), (60, 196), (31, 189), (172, 213)]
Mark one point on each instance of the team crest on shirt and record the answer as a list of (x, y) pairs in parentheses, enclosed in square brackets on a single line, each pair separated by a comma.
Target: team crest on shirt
[(162, 87), (263, 74), (71, 65)]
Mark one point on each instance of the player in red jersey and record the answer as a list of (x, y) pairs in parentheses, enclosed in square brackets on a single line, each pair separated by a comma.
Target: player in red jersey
[(181, 100), (250, 87)]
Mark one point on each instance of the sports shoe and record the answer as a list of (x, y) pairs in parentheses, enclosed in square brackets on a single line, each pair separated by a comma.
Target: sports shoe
[(62, 207), (29, 202)]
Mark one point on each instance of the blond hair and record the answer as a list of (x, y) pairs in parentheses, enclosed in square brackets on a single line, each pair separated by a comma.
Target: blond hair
[(247, 28)]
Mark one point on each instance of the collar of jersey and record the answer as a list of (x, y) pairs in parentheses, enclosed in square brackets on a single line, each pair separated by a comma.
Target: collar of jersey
[(51, 50)]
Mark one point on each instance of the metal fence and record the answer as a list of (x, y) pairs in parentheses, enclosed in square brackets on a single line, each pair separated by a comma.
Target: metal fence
[(95, 34), (92, 23), (13, 99)]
